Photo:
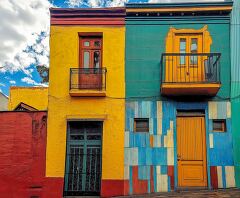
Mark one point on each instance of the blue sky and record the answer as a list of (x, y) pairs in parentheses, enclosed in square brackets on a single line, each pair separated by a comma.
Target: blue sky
[(24, 36)]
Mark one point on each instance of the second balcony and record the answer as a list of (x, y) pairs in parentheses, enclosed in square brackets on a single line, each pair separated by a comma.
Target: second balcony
[(190, 74)]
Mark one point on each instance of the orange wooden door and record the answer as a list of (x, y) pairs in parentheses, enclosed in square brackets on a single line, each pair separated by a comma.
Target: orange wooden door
[(90, 76), (188, 68), (191, 152)]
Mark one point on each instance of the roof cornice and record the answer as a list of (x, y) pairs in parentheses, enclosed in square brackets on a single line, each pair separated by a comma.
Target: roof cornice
[(225, 6), (88, 16)]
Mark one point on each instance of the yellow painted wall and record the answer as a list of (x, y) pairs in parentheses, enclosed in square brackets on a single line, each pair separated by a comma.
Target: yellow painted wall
[(64, 54), (36, 97)]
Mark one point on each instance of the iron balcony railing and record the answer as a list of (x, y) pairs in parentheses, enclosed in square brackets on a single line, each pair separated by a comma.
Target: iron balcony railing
[(190, 68), (88, 78)]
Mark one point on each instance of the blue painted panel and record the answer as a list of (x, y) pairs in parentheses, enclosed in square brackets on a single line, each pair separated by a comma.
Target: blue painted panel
[(149, 156), (164, 170), (130, 181), (144, 172), (141, 156), (159, 156), (223, 177)]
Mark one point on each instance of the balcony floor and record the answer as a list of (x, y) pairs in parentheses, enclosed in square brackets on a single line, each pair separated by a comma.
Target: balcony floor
[(80, 92), (181, 89)]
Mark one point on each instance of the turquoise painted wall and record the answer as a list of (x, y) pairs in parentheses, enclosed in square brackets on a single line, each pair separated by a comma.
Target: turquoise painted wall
[(145, 42), (235, 86)]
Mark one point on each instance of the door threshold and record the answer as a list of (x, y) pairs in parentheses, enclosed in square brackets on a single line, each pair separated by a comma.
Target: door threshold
[(191, 188), (81, 197)]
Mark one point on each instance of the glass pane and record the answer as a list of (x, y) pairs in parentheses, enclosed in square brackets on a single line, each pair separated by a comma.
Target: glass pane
[(86, 43), (97, 43), (182, 50), (86, 56), (194, 47), (96, 59)]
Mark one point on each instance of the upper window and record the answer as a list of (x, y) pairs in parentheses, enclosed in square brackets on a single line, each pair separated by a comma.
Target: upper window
[(182, 50), (141, 125), (219, 125), (90, 52), (194, 50)]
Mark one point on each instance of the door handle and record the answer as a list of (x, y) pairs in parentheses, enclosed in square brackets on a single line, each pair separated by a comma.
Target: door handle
[(178, 157)]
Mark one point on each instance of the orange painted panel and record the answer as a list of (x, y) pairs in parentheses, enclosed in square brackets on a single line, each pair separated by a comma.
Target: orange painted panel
[(191, 148)]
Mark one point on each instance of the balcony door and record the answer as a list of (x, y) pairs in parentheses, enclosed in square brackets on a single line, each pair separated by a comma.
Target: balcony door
[(189, 66), (90, 74)]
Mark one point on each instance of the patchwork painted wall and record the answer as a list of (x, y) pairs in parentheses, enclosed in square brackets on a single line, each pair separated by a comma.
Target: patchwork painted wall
[(150, 157)]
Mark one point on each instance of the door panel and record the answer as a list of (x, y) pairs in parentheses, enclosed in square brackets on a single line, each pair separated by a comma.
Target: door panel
[(191, 149), (83, 159)]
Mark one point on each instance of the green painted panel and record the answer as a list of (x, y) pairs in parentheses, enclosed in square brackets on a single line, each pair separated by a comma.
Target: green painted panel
[(235, 86), (145, 42)]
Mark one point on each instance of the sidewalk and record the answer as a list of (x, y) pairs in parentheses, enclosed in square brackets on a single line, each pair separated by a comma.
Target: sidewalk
[(233, 193)]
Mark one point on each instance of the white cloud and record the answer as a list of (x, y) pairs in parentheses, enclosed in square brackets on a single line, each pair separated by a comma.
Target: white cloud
[(24, 30), (12, 82), (2, 85), (28, 80), (118, 3), (96, 3), (32, 82), (181, 1)]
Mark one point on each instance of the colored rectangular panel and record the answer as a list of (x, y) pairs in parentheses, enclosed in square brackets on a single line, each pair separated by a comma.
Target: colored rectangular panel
[(171, 175), (211, 140), (214, 177), (229, 175), (219, 175), (212, 108)]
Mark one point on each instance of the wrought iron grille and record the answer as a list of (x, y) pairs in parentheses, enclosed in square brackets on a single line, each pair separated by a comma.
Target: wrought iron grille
[(190, 67), (83, 159), (88, 78)]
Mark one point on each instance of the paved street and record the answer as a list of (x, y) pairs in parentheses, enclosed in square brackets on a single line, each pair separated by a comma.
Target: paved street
[(233, 193)]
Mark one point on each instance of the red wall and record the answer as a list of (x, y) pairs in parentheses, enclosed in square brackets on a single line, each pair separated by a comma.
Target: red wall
[(22, 153)]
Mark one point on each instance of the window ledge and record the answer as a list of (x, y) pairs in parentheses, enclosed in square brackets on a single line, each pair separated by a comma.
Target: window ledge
[(97, 93)]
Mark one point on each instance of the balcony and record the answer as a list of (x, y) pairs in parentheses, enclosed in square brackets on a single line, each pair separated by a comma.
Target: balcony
[(88, 82), (190, 74)]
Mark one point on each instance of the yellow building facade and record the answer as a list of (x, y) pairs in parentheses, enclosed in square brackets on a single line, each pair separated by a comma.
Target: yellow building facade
[(86, 105), (36, 97)]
